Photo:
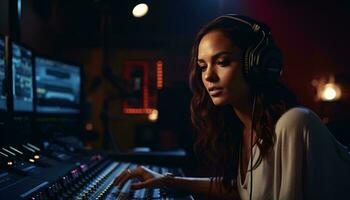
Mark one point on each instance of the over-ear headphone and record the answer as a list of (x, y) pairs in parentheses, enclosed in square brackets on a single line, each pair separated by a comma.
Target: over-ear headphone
[(263, 58)]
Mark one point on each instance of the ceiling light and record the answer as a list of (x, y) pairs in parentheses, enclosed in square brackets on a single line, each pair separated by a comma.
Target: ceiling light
[(140, 10)]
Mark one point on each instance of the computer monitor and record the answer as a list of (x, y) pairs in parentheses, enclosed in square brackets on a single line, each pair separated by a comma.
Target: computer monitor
[(22, 78), (58, 86), (2, 74)]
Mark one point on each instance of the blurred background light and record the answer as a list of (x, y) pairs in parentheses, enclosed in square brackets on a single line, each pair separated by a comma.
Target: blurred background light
[(327, 91), (140, 10), (153, 116), (331, 92)]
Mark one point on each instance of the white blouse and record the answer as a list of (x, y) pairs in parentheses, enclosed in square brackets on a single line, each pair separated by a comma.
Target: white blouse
[(307, 162)]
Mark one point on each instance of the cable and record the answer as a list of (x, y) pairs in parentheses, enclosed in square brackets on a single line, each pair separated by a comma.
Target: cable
[(251, 148)]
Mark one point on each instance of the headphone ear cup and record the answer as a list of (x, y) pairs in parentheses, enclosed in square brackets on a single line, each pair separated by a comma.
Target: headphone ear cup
[(266, 63), (271, 62)]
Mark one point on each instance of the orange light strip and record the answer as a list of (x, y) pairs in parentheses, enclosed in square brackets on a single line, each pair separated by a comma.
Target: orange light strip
[(138, 110), (145, 87), (159, 74)]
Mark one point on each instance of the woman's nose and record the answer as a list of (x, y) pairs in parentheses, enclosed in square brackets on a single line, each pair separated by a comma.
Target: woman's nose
[(211, 75)]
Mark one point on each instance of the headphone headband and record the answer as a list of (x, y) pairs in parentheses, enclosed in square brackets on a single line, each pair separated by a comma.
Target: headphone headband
[(262, 58)]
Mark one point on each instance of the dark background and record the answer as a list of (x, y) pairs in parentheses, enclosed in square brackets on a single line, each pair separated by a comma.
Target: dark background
[(102, 34)]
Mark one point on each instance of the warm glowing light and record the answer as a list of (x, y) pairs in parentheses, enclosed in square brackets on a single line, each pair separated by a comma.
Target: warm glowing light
[(330, 92), (89, 127), (327, 90), (36, 157), (159, 66), (153, 116), (9, 163), (140, 10), (31, 160)]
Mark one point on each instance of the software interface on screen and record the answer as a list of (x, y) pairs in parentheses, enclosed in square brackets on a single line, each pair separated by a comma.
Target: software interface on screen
[(22, 79), (57, 86), (2, 75)]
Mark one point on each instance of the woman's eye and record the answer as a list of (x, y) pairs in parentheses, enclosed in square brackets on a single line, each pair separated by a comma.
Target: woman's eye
[(223, 62), (202, 68)]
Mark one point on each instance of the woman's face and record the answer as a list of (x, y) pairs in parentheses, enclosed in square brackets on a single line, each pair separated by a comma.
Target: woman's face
[(221, 69)]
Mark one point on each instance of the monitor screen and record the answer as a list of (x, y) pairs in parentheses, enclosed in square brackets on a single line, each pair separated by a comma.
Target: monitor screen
[(57, 87), (2, 75), (22, 78)]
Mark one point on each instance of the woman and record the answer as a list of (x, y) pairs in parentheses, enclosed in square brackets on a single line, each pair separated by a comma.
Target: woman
[(247, 119)]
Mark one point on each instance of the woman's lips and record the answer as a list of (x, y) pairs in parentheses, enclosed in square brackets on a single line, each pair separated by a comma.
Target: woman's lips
[(215, 92)]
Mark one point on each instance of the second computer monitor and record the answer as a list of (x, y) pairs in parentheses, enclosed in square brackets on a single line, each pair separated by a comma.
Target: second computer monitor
[(22, 78), (2, 74), (58, 86)]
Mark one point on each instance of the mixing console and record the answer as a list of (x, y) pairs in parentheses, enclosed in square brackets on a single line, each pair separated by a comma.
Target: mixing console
[(84, 177)]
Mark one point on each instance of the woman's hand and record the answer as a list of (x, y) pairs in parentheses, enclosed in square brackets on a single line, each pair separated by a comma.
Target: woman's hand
[(147, 178)]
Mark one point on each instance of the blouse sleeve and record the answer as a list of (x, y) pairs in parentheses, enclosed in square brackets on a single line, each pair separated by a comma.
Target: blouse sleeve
[(309, 162), (291, 146)]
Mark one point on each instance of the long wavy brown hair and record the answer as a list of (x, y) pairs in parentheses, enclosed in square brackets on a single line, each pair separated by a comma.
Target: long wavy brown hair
[(219, 130)]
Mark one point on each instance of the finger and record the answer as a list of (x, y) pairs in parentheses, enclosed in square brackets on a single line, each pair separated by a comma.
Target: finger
[(144, 173), (117, 179), (125, 175), (150, 183), (138, 171), (125, 178)]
